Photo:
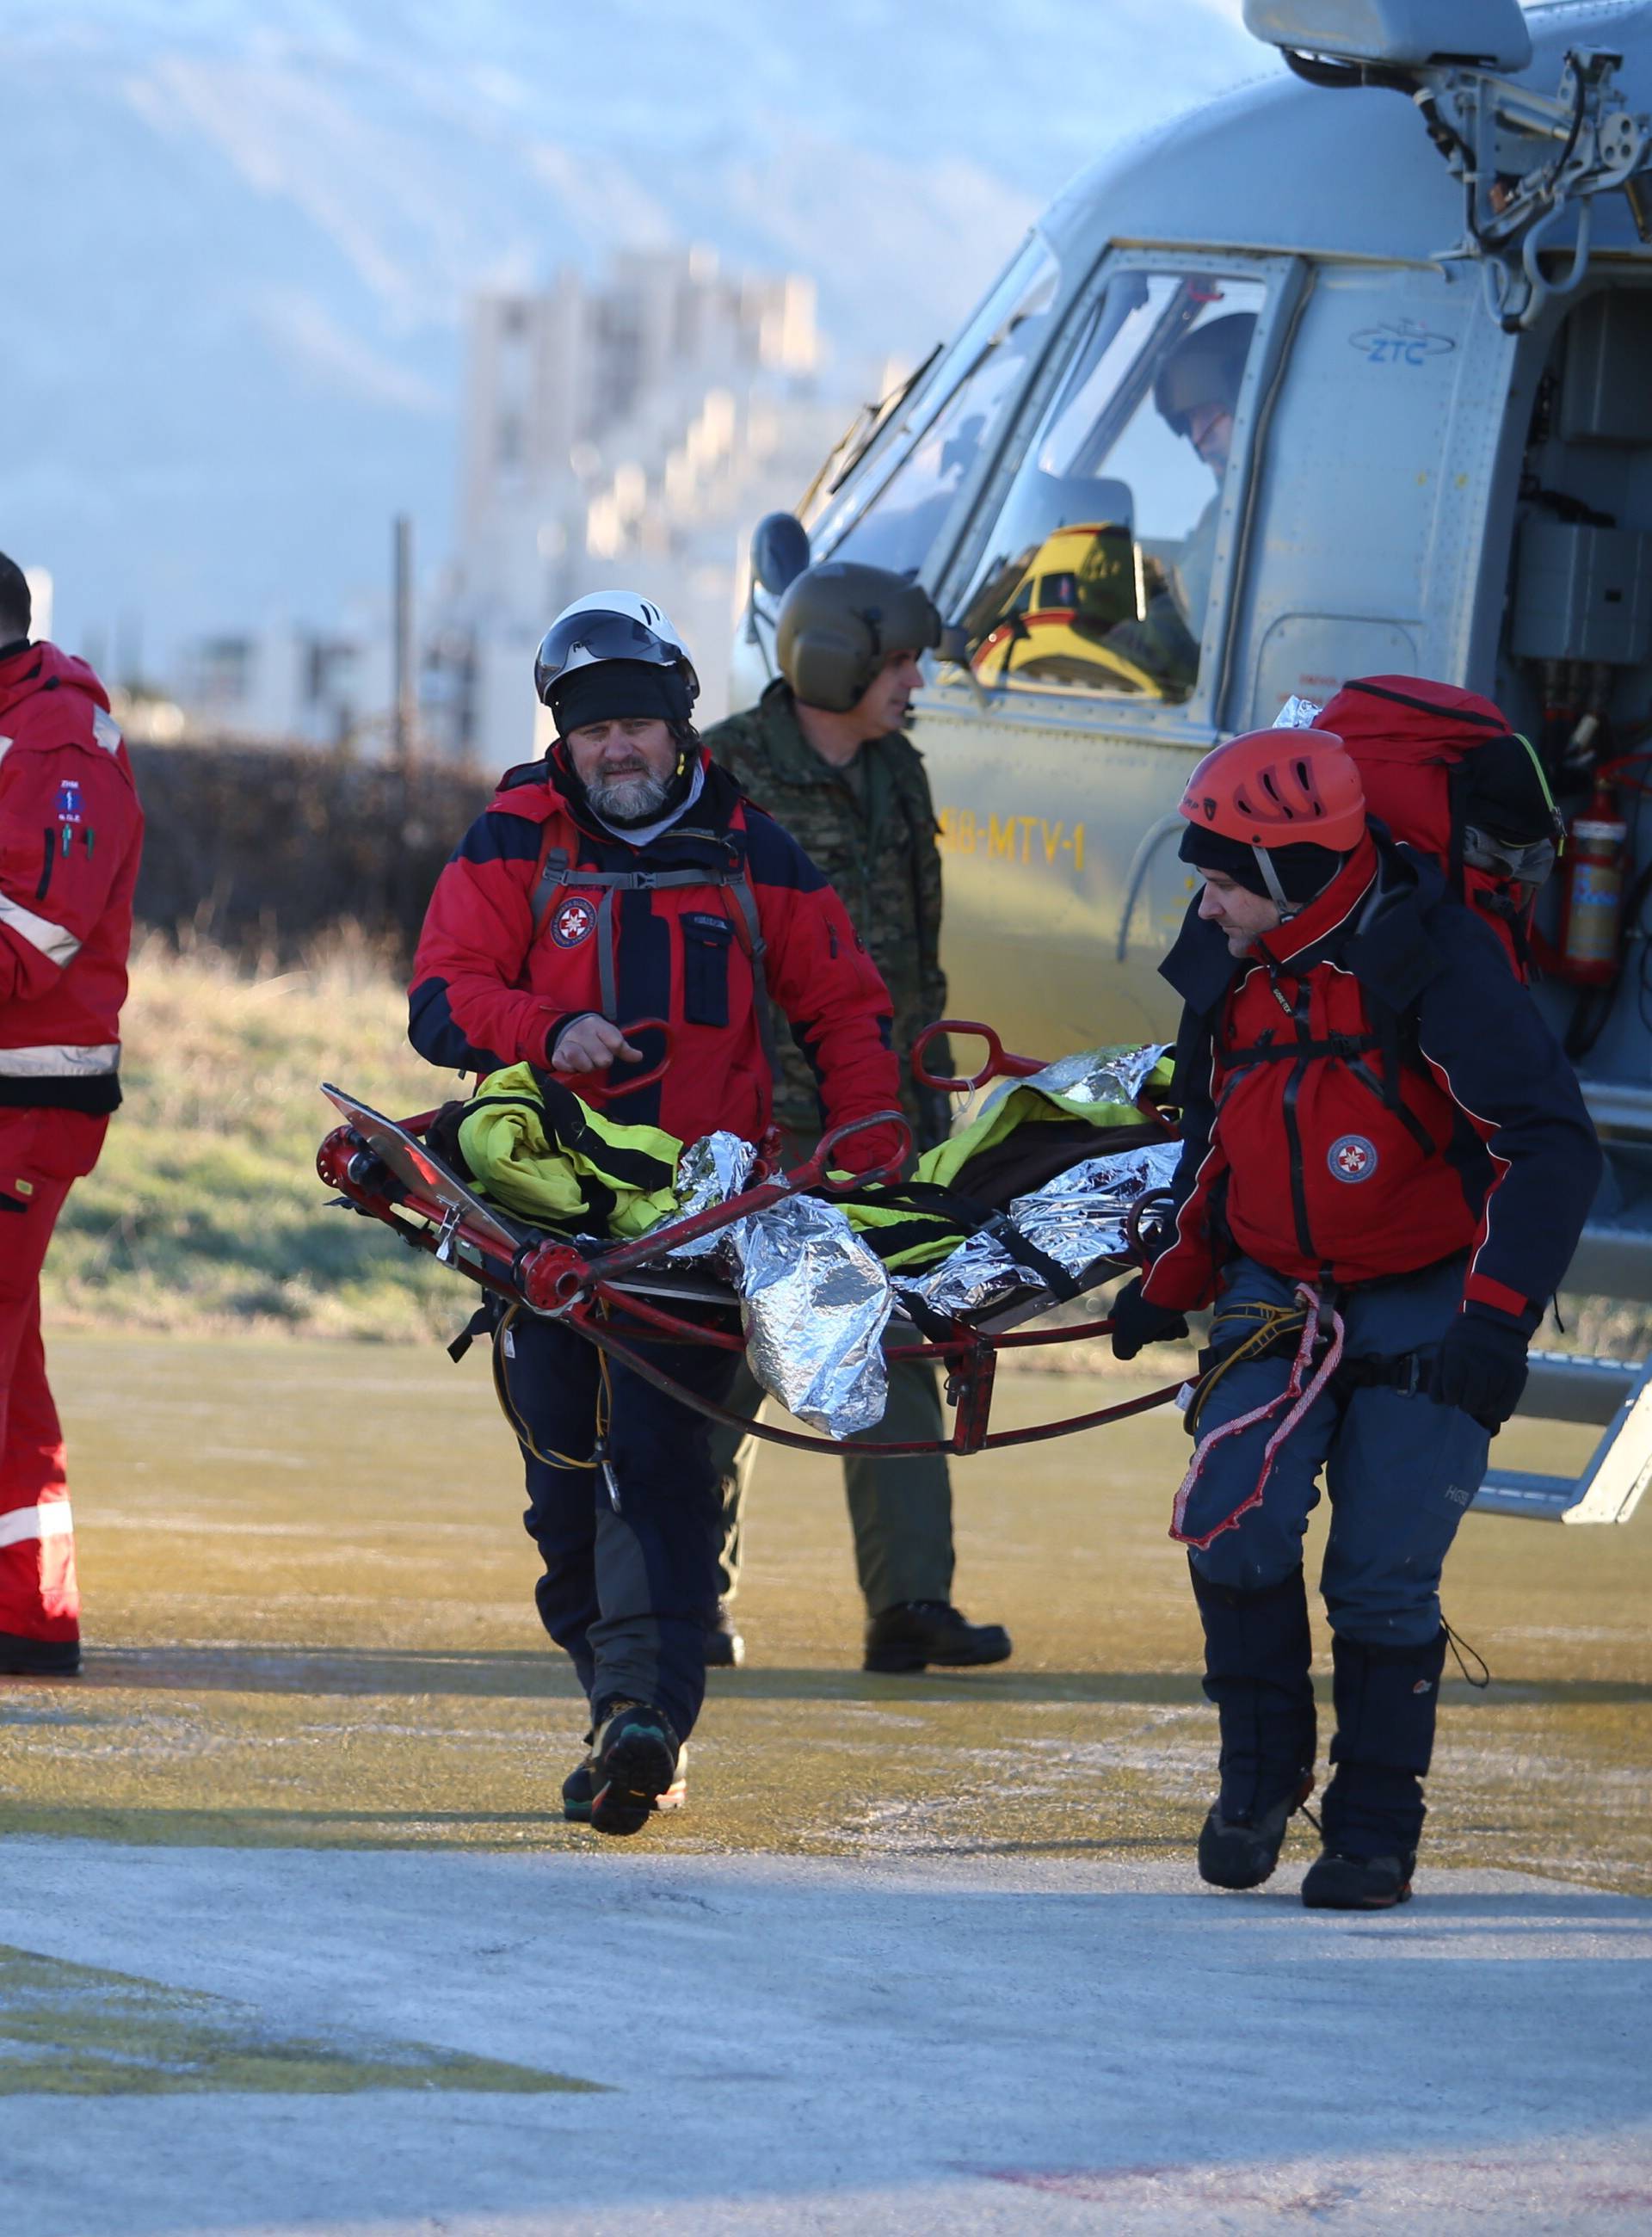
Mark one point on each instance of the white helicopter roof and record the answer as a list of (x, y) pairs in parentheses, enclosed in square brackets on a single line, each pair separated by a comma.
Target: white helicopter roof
[(1282, 165)]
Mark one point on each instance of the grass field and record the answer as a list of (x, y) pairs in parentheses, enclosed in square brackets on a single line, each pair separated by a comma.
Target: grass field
[(205, 1212)]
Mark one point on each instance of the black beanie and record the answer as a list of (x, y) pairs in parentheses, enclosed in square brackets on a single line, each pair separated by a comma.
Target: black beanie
[(1303, 870), (611, 690)]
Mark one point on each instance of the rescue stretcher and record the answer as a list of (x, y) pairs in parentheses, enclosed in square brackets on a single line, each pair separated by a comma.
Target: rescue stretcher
[(617, 1296)]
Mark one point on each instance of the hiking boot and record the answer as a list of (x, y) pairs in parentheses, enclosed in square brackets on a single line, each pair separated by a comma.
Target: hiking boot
[(1337, 1883), (1241, 1852), (724, 1648), (38, 1658), (579, 1787), (633, 1765), (917, 1633)]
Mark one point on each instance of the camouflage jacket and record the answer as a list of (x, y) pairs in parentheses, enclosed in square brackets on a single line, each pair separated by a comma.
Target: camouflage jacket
[(875, 841)]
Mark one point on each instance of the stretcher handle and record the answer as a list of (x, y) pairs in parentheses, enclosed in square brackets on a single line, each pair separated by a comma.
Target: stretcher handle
[(610, 1081), (1148, 1209), (999, 1065), (815, 1176)]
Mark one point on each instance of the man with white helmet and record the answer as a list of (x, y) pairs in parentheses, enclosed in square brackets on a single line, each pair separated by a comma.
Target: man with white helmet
[(623, 877)]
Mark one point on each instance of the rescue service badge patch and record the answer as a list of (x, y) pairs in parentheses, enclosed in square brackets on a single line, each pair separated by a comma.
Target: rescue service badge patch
[(1352, 1158), (574, 923)]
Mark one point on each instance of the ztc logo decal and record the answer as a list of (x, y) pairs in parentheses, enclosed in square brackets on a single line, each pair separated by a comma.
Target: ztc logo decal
[(574, 923), (1402, 341), (1352, 1158)]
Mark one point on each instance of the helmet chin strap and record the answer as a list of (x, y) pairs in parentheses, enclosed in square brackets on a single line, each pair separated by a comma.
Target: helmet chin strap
[(1286, 908), (1276, 892)]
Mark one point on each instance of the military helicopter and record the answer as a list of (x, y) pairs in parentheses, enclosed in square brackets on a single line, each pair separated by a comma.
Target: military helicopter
[(1315, 382)]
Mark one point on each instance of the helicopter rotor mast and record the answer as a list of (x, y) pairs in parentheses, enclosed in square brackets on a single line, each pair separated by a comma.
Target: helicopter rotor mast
[(1527, 161)]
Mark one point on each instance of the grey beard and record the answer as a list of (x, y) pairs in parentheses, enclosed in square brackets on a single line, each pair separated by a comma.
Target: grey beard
[(636, 799)]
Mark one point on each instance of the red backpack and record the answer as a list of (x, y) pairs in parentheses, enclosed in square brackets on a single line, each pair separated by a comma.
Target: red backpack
[(1414, 741)]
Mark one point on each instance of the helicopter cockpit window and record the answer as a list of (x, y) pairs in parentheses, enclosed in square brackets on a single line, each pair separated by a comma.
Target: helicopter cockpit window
[(892, 501), (1097, 571)]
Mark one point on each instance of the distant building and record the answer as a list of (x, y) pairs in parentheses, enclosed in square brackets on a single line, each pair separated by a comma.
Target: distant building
[(622, 431), (326, 687)]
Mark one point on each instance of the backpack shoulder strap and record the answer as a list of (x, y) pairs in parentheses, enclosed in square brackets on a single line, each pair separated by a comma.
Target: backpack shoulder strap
[(737, 886), (553, 875)]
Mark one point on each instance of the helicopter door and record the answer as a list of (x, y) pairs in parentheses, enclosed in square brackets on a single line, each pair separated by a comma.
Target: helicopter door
[(1090, 584), (1372, 471), (1573, 669)]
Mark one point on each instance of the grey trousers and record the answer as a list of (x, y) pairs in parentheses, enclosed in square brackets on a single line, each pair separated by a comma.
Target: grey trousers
[(901, 1509)]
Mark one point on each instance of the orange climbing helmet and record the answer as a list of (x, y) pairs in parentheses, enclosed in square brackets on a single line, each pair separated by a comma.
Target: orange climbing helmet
[(1271, 788), (1278, 810)]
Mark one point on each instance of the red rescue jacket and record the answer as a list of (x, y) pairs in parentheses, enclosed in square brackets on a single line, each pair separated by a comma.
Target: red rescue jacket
[(495, 978), (71, 832), (1373, 1093)]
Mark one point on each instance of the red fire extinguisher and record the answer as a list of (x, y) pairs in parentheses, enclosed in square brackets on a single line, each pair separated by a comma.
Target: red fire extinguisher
[(1592, 896)]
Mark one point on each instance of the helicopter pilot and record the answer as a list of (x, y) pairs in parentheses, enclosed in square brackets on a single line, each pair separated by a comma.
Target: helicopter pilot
[(1195, 392)]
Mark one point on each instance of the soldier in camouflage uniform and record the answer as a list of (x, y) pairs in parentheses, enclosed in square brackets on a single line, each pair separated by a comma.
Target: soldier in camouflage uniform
[(824, 751)]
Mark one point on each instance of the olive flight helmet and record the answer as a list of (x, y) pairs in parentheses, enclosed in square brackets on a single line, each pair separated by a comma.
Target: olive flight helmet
[(838, 623), (1205, 366), (614, 654)]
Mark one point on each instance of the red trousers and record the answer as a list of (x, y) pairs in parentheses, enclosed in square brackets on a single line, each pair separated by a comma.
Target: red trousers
[(42, 1153)]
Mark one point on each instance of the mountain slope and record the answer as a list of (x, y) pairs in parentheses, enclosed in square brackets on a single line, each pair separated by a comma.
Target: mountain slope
[(247, 231)]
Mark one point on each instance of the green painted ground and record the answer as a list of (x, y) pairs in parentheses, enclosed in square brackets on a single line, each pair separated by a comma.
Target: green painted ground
[(308, 1607), (75, 2030)]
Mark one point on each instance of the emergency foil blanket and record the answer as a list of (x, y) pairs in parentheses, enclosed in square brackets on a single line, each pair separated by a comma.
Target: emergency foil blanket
[(709, 1172), (815, 1302), (1082, 1215), (1113, 1075)]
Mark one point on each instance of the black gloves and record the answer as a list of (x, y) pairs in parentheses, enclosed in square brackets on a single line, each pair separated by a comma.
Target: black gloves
[(1481, 1367), (1136, 1323)]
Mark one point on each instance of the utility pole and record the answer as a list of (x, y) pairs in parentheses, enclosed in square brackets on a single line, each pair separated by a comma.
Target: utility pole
[(404, 712)]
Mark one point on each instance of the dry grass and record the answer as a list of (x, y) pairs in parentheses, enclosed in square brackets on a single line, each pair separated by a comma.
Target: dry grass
[(205, 1211)]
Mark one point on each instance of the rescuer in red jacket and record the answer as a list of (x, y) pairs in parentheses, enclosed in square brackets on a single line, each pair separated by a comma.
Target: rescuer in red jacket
[(70, 832), (624, 877), (1385, 1169)]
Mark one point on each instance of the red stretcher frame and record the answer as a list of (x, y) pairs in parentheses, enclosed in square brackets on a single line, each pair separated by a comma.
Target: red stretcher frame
[(589, 1292)]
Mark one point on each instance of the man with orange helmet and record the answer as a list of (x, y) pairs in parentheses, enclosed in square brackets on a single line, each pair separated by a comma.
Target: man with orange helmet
[(1386, 1163)]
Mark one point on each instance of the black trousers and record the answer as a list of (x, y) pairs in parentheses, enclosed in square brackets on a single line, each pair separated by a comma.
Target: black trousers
[(627, 1590)]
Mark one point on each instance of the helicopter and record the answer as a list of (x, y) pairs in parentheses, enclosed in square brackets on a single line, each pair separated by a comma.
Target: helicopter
[(1340, 375)]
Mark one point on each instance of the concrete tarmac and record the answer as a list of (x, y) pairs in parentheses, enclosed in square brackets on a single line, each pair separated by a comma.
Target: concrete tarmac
[(921, 1955)]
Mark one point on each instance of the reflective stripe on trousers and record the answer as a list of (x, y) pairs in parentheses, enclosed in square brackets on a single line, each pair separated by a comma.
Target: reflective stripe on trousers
[(51, 1518)]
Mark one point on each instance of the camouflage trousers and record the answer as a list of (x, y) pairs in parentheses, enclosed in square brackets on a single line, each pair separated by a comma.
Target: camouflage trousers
[(901, 1510)]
